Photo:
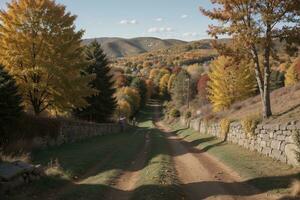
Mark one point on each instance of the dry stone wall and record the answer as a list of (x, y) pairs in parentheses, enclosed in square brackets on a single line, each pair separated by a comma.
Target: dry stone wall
[(273, 140), (69, 132)]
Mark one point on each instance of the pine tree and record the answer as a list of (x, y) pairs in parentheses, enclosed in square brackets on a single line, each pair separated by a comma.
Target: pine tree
[(101, 106), (41, 48), (140, 85), (10, 102), (229, 82)]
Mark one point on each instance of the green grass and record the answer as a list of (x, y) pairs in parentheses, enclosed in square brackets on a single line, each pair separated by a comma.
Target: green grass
[(260, 171), (98, 161), (158, 179), (104, 156)]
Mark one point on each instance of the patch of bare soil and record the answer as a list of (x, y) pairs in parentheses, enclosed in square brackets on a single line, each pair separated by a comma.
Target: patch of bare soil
[(204, 177), (125, 184)]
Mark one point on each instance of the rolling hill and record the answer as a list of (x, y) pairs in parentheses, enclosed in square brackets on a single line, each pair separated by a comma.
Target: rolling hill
[(120, 47)]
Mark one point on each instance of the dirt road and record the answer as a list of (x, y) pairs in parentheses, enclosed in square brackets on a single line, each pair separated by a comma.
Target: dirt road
[(204, 177), (201, 176), (126, 183)]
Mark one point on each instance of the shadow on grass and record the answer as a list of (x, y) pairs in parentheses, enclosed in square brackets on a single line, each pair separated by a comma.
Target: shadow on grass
[(120, 154), (163, 192), (207, 148)]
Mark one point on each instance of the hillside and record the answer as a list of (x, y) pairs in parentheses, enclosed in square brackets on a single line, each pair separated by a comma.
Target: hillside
[(120, 47)]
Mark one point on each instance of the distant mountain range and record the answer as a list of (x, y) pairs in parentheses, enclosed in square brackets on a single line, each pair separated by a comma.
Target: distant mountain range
[(120, 47)]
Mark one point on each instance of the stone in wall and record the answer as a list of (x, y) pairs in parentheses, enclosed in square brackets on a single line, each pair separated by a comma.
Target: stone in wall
[(273, 140), (290, 151)]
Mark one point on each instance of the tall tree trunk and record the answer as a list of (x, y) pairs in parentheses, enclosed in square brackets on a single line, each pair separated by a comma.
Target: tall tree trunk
[(258, 76), (266, 100)]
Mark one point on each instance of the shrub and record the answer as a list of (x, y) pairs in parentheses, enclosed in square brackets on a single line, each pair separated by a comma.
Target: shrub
[(225, 125), (175, 113), (188, 114), (249, 124)]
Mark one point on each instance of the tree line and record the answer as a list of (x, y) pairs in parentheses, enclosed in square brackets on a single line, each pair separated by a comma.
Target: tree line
[(46, 70)]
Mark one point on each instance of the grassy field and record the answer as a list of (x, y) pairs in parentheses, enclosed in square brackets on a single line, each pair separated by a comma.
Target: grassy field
[(94, 162), (88, 169), (260, 171)]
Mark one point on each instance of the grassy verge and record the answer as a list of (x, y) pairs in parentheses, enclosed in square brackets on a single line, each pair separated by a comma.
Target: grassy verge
[(101, 159), (158, 179), (260, 171)]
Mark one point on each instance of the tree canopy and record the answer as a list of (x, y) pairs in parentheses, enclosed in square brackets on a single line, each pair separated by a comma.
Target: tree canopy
[(255, 25), (41, 48)]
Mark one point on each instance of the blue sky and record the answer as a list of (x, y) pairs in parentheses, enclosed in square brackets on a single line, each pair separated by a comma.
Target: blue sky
[(178, 19)]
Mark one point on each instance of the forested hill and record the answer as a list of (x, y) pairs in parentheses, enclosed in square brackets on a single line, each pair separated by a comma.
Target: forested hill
[(120, 47)]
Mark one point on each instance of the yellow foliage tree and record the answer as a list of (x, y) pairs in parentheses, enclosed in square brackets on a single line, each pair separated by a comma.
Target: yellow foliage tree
[(163, 84), (153, 73), (229, 82), (171, 81), (149, 85), (292, 75), (124, 109), (131, 95), (42, 49)]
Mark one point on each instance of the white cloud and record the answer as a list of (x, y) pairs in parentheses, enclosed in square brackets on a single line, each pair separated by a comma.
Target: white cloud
[(190, 34), (159, 19), (160, 30), (128, 22), (134, 21), (184, 16)]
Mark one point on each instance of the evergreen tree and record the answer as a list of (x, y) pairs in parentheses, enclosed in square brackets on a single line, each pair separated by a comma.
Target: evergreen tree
[(101, 106), (10, 102), (140, 85)]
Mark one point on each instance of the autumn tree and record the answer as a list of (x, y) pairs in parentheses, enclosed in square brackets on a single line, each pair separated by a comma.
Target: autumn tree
[(124, 109), (292, 75), (153, 73), (160, 74), (171, 82), (102, 105), (149, 86), (229, 81), (255, 25), (41, 48), (132, 96), (163, 85), (202, 89)]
